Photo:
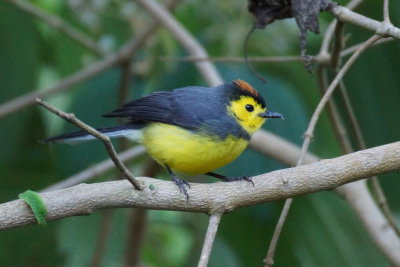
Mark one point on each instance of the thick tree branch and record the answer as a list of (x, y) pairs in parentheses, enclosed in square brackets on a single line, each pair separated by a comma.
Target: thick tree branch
[(209, 198), (357, 194)]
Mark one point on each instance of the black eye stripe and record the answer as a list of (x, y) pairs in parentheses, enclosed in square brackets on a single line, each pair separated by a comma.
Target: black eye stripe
[(249, 108)]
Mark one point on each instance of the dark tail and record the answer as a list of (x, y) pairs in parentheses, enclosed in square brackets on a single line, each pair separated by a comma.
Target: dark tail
[(128, 131)]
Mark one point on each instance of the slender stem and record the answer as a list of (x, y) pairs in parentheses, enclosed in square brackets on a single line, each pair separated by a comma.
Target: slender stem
[(383, 204), (323, 52), (209, 239), (311, 126), (269, 260), (356, 127), (386, 16), (308, 136), (333, 112), (277, 59), (337, 45), (105, 139), (352, 49), (381, 198)]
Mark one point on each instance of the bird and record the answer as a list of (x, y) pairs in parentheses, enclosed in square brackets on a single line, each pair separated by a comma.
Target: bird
[(191, 130)]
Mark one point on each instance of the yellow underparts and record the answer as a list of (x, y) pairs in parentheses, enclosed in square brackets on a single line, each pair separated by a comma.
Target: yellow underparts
[(188, 152)]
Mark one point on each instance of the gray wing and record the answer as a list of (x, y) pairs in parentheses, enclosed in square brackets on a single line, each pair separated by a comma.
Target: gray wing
[(188, 107)]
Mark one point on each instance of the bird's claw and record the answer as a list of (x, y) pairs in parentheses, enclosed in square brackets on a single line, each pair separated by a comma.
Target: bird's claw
[(247, 178), (181, 185)]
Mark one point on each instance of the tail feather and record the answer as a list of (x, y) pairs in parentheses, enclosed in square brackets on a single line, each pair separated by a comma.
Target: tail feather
[(128, 131)]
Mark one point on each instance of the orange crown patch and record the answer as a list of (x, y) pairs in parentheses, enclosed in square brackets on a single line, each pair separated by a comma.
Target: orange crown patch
[(246, 87)]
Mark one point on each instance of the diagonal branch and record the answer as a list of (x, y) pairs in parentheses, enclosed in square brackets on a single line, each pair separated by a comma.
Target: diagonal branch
[(310, 130), (213, 223), (307, 140), (159, 13), (382, 28), (105, 139)]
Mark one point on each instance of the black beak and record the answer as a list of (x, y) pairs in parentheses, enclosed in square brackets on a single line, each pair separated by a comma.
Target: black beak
[(270, 114)]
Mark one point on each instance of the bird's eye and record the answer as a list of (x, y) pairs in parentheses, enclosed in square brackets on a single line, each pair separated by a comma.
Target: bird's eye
[(249, 108)]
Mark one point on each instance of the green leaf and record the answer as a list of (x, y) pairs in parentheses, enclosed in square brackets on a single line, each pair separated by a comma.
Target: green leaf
[(35, 202)]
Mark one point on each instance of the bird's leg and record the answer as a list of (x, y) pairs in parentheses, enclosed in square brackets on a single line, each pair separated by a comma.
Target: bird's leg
[(230, 179), (179, 182)]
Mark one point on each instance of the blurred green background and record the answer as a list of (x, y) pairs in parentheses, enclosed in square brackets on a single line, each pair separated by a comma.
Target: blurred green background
[(321, 230)]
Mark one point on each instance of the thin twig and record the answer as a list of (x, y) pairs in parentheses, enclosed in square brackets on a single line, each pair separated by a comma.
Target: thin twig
[(386, 16), (277, 59), (337, 45), (269, 259), (333, 112), (350, 50), (209, 239), (381, 198), (323, 52), (309, 133), (356, 127), (383, 204), (59, 25), (311, 126), (357, 194), (95, 170), (105, 139)]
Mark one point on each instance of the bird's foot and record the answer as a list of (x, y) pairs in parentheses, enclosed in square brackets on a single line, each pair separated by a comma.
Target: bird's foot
[(179, 182), (247, 178), (181, 185)]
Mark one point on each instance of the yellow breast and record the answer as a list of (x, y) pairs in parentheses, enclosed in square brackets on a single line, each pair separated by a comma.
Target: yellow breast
[(188, 152)]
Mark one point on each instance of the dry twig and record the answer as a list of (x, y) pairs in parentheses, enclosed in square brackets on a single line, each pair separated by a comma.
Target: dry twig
[(105, 139), (308, 136), (213, 223)]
